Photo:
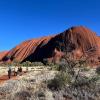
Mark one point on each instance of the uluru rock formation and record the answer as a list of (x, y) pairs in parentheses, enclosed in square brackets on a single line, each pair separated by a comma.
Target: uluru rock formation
[(78, 41), (3, 54)]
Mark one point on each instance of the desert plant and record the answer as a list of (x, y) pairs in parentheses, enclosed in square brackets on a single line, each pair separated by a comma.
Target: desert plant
[(55, 67), (45, 61), (60, 81), (23, 95), (98, 70), (85, 69), (37, 64)]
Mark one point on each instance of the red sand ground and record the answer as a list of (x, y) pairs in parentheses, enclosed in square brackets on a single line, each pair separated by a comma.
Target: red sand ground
[(4, 78)]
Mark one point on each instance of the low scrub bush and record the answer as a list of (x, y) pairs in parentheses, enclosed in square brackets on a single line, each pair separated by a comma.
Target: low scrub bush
[(60, 80), (37, 64), (98, 70)]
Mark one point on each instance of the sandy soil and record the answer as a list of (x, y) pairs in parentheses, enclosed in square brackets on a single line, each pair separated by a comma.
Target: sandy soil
[(4, 78), (4, 73)]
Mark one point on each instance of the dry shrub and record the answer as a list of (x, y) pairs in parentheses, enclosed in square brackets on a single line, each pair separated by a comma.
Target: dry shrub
[(59, 82)]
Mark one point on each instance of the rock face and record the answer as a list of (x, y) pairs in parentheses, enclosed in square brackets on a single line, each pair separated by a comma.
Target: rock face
[(3, 54), (77, 41)]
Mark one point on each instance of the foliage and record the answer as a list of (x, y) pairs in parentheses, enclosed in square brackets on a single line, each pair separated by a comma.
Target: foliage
[(55, 67), (60, 81), (85, 81), (41, 94), (28, 63), (85, 69), (37, 64), (45, 61), (98, 70)]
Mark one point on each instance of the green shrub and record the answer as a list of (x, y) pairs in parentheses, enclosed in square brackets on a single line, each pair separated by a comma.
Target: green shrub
[(27, 63), (45, 61), (37, 64), (98, 70), (55, 67), (41, 94), (62, 66), (86, 81), (60, 80), (85, 69)]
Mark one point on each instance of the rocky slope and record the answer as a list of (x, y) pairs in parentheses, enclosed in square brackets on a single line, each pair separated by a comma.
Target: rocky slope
[(77, 41), (3, 54)]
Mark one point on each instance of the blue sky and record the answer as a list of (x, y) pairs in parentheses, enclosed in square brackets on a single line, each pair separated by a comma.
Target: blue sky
[(25, 19)]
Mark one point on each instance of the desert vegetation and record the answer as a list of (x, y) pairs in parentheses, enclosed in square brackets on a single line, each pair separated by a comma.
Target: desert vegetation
[(68, 80)]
